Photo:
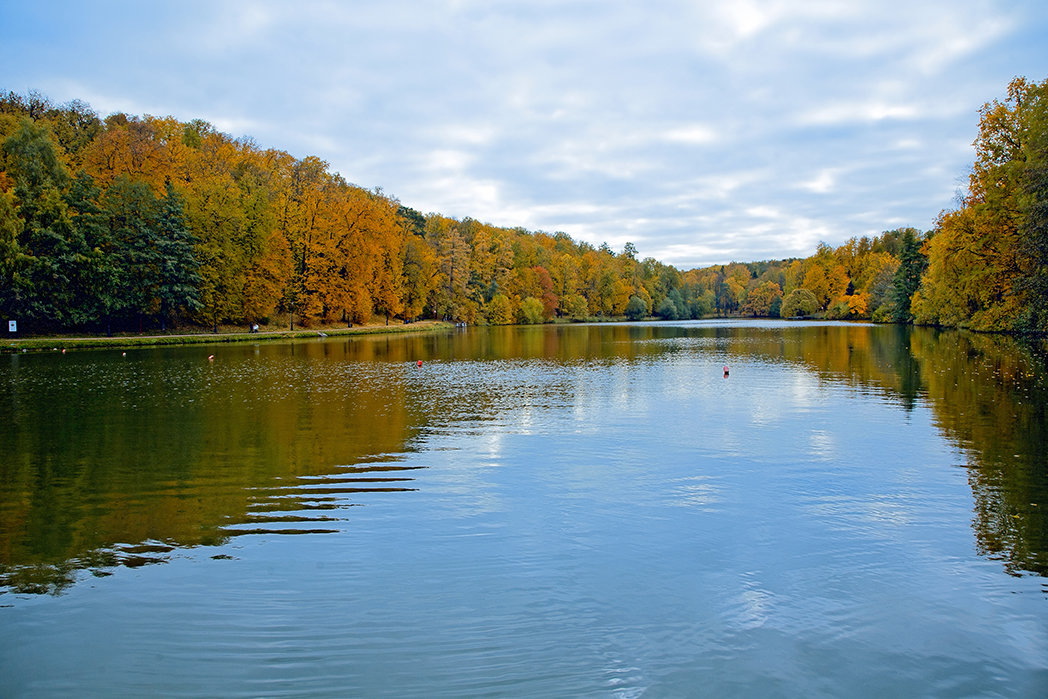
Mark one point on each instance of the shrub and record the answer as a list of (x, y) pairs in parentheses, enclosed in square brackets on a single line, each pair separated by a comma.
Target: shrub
[(531, 311), (799, 302), (636, 308), (499, 311), (576, 306), (667, 309)]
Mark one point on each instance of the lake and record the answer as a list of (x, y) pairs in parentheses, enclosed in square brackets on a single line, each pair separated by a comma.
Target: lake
[(583, 510)]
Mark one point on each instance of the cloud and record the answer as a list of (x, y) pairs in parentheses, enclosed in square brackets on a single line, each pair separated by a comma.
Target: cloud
[(702, 132), (851, 112), (235, 27), (824, 182), (691, 135)]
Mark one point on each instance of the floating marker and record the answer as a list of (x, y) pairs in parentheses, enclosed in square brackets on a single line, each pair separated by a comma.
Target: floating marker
[(420, 362), (725, 370), (211, 358)]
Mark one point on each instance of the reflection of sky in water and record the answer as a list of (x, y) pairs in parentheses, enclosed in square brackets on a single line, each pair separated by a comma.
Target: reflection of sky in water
[(668, 428), (821, 444), (751, 607)]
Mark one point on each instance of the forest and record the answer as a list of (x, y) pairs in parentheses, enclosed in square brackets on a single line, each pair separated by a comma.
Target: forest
[(131, 223)]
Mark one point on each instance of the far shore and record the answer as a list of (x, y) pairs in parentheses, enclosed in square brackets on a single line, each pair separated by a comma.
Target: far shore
[(194, 336)]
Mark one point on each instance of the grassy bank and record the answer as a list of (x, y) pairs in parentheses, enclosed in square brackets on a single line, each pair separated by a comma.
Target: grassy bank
[(199, 336)]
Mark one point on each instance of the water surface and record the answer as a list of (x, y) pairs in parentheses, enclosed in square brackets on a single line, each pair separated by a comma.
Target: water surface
[(570, 511)]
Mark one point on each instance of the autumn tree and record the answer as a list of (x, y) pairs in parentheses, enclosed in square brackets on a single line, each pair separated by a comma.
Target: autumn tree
[(985, 261), (452, 258), (419, 265), (1033, 208), (764, 301), (499, 310), (731, 290), (576, 306), (531, 311), (799, 302)]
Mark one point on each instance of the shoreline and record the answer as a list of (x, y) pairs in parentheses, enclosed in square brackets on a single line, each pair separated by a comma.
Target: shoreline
[(51, 343)]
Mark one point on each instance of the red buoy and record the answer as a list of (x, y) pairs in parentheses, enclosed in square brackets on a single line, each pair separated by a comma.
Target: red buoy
[(420, 362)]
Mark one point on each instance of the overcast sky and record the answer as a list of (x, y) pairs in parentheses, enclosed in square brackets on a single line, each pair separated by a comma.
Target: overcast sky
[(703, 132)]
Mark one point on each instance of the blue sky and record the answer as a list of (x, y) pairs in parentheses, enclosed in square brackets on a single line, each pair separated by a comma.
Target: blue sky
[(703, 132)]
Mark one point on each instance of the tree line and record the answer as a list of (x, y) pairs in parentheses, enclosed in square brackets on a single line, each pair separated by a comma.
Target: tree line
[(127, 222)]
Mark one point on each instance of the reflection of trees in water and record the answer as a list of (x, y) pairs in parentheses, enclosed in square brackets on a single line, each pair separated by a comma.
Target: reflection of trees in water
[(988, 393), (44, 577), (112, 462), (173, 455), (118, 461)]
